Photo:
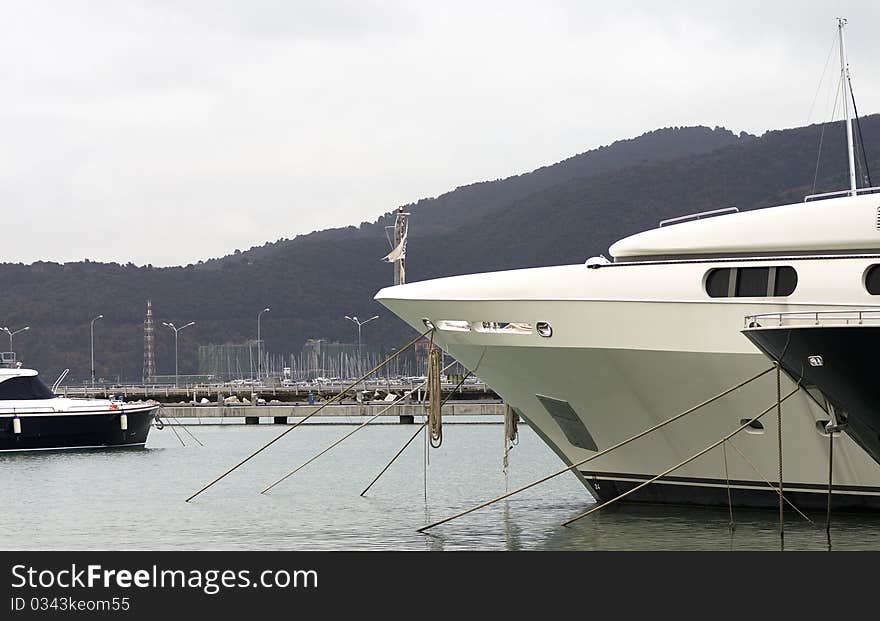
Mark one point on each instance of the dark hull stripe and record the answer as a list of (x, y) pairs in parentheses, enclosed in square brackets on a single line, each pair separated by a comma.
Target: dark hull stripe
[(809, 487), (716, 495)]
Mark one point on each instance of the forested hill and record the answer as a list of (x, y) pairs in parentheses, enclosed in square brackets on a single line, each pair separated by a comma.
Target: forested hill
[(562, 213)]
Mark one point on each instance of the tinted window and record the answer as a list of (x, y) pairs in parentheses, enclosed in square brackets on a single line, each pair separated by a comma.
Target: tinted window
[(24, 388), (872, 280), (761, 282), (786, 281), (751, 282), (717, 283)]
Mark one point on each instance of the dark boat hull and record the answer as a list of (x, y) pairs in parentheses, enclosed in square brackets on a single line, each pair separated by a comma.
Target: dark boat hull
[(846, 374), (714, 492), (58, 431)]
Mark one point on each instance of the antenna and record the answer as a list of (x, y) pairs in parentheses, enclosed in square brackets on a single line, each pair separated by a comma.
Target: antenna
[(400, 230), (844, 80)]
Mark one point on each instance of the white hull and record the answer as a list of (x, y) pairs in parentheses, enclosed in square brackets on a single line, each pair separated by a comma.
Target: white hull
[(625, 364)]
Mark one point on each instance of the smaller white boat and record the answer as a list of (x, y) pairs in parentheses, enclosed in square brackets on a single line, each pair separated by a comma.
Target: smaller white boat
[(33, 418)]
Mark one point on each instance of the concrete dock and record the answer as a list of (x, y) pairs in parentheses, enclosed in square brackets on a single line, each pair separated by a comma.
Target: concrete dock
[(169, 394), (287, 413)]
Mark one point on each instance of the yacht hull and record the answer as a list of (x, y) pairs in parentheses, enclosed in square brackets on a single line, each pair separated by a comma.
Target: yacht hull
[(613, 367), (843, 369), (617, 394), (79, 430)]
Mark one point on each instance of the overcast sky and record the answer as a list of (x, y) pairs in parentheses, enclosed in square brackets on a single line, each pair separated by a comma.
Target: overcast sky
[(168, 131)]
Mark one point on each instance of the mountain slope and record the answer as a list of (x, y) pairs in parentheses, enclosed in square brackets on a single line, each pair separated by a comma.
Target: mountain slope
[(557, 214)]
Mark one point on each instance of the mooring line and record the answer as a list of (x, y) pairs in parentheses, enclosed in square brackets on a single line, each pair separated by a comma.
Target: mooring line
[(413, 437), (162, 425), (727, 481), (393, 459), (779, 435), (682, 463), (830, 430), (301, 421), (192, 435), (179, 439), (767, 481), (350, 433), (600, 453), (179, 424)]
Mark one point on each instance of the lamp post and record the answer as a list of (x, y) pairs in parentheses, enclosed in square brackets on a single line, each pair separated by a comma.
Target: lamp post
[(176, 330), (12, 333), (260, 345), (92, 331), (360, 323)]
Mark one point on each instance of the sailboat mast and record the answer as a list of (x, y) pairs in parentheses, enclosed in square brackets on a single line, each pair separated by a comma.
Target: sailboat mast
[(844, 83)]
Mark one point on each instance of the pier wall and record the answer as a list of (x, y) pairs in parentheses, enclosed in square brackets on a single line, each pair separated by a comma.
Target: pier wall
[(408, 412)]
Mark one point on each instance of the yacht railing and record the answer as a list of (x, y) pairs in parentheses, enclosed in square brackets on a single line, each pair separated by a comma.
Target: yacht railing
[(818, 197), (815, 318)]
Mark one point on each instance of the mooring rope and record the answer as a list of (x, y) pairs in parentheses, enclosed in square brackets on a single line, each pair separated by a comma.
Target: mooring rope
[(348, 435), (176, 435), (779, 435), (435, 409), (769, 483), (727, 481), (414, 435), (191, 434), (830, 472), (396, 455), (681, 463), (333, 399), (511, 438), (600, 453), (177, 423)]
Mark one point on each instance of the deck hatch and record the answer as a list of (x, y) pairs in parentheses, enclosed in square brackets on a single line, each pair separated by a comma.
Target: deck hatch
[(569, 422)]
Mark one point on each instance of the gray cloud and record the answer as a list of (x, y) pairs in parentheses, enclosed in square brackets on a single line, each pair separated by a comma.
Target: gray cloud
[(166, 132)]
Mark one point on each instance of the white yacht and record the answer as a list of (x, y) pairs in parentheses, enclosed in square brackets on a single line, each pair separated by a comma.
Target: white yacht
[(591, 354), (34, 418)]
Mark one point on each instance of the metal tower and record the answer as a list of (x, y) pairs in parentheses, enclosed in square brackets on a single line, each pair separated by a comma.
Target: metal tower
[(149, 341)]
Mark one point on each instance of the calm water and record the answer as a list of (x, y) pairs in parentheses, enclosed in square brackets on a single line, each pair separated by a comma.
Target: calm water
[(135, 499)]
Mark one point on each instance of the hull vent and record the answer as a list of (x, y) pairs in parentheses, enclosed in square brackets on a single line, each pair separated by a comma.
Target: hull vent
[(569, 422)]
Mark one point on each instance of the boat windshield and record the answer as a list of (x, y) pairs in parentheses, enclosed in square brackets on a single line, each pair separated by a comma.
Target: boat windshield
[(24, 388)]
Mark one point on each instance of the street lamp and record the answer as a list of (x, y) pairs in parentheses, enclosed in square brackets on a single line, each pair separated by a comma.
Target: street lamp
[(360, 323), (176, 330), (12, 333), (260, 345), (92, 330)]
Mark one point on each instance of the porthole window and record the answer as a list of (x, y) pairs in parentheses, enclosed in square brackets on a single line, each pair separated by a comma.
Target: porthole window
[(752, 426), (754, 282), (872, 280)]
